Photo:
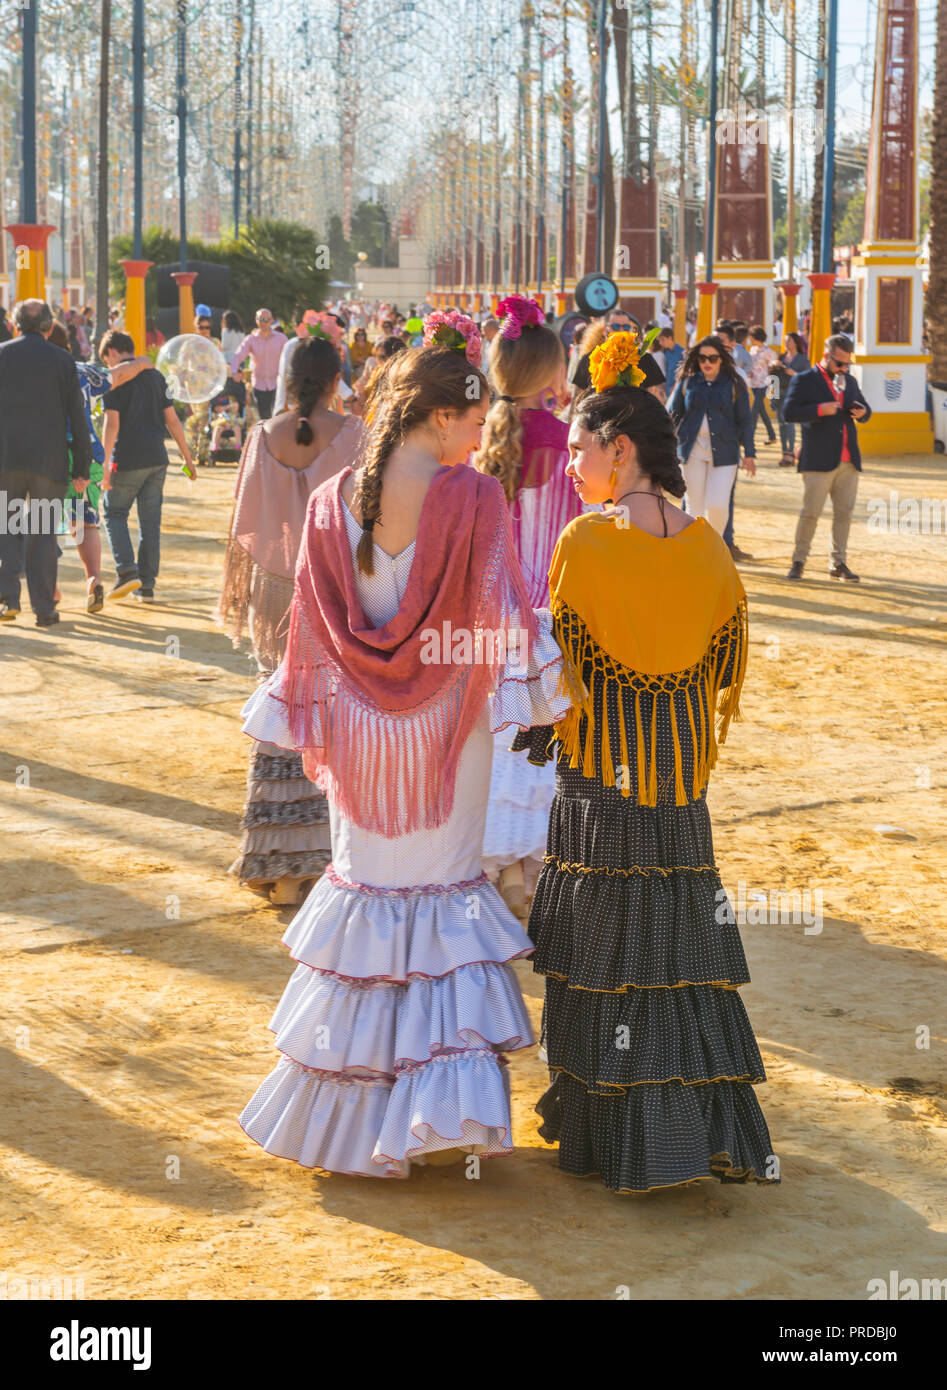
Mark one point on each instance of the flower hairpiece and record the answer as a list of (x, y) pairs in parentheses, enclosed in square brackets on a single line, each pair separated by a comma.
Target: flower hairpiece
[(615, 363), (517, 313), (321, 325), (456, 331)]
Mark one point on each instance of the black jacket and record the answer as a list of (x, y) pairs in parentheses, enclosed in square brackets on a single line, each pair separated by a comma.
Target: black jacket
[(821, 450), (40, 401), (653, 375)]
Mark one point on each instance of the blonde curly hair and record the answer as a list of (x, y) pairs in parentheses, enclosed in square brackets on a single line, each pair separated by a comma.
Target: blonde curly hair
[(519, 367)]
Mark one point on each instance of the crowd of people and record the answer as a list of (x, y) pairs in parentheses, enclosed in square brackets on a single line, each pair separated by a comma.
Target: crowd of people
[(491, 695)]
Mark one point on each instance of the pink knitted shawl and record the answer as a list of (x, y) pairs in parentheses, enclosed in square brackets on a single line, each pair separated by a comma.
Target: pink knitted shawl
[(381, 727)]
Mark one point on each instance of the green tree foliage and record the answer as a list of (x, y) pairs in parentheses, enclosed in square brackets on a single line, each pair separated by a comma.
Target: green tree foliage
[(850, 230), (371, 233), (280, 264)]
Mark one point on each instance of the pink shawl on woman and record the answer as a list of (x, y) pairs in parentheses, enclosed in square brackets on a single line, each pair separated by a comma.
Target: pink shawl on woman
[(382, 724), (268, 518), (545, 500)]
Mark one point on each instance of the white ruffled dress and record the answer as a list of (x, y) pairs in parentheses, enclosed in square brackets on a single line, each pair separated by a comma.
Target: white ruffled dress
[(521, 793), (392, 1028)]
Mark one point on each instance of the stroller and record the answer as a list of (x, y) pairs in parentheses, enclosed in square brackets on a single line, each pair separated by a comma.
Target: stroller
[(225, 429)]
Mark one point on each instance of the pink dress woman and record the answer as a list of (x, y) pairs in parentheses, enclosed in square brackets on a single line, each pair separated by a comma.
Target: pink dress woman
[(545, 502)]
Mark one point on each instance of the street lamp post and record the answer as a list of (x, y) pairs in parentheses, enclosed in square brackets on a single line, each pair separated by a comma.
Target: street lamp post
[(28, 116), (602, 118), (29, 239), (182, 127), (707, 289), (138, 117)]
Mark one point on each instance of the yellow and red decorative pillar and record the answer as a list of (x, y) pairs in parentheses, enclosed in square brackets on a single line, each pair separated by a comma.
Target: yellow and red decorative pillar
[(184, 279), (820, 321), (29, 258), (680, 317), (706, 290), (135, 273)]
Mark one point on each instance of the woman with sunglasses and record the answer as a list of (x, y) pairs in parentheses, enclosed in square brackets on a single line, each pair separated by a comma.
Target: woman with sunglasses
[(710, 406), (360, 350)]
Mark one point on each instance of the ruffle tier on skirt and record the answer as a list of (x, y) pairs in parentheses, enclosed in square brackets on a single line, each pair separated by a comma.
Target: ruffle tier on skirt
[(652, 1055), (391, 1028), (285, 821), (518, 813)]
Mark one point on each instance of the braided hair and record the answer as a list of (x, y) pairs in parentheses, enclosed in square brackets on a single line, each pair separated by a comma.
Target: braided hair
[(417, 384), (312, 368)]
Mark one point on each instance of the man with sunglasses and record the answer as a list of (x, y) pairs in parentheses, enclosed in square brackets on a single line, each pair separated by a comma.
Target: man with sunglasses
[(827, 403), (265, 346), (620, 321)]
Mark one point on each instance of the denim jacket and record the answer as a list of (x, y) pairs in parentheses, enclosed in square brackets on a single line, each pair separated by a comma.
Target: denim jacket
[(727, 406)]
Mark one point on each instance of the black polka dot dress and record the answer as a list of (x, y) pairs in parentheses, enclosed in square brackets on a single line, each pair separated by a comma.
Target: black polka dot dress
[(652, 1056)]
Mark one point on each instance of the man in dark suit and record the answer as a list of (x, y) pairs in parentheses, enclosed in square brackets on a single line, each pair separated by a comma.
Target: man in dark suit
[(826, 402), (40, 405)]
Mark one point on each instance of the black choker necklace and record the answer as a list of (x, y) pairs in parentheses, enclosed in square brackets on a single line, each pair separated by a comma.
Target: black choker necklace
[(644, 492)]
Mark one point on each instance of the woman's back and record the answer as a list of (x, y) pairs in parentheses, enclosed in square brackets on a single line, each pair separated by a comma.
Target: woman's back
[(405, 484), (280, 436)]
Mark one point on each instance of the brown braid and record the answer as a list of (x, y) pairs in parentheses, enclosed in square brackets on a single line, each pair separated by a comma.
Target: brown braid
[(386, 435), (416, 384)]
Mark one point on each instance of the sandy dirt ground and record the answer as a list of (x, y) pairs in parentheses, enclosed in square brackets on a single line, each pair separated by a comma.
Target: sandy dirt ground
[(137, 980)]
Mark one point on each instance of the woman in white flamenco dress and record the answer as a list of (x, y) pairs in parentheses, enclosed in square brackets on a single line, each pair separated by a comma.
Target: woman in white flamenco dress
[(393, 1026)]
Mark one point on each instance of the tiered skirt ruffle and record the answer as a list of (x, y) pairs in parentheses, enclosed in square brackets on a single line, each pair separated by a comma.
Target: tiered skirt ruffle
[(285, 821), (391, 1028), (652, 1056)]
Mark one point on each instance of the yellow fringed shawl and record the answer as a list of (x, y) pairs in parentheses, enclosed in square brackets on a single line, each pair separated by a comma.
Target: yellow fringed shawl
[(653, 614)]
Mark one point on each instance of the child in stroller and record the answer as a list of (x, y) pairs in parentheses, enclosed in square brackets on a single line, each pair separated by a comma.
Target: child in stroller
[(226, 432)]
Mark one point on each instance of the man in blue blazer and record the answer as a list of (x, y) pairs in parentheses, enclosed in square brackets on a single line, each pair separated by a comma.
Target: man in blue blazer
[(826, 402)]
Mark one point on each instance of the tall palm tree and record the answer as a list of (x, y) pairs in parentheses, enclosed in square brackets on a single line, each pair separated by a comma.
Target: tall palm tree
[(936, 307)]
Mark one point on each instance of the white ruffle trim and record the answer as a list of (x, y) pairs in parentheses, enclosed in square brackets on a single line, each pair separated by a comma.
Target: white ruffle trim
[(264, 714), (397, 936), (330, 1025), (529, 698), (377, 1129)]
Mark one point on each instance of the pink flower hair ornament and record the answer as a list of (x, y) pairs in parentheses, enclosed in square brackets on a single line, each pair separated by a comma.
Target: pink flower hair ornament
[(456, 331), (517, 313), (319, 325)]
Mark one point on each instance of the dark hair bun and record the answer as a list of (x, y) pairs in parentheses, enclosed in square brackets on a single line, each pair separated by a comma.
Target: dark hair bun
[(313, 366), (634, 412)]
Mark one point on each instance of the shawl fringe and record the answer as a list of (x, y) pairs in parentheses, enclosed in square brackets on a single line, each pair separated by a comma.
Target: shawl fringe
[(706, 699), (234, 603), (254, 604), (393, 772)]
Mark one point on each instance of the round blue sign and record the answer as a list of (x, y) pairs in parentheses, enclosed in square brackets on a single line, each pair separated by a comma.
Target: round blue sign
[(596, 294)]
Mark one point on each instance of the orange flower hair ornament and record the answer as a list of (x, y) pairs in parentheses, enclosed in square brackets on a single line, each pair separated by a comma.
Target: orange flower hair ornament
[(615, 363)]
